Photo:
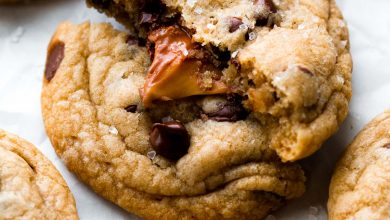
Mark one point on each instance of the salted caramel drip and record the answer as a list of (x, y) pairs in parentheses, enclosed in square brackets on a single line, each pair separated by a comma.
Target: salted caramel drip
[(174, 73)]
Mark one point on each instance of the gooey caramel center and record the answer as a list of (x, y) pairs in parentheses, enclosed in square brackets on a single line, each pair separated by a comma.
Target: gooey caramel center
[(174, 73)]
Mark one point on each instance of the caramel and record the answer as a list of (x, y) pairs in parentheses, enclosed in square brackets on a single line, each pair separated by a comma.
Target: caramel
[(174, 74)]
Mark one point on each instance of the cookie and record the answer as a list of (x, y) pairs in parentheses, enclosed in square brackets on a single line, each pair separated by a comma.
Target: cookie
[(30, 186), (360, 184), (199, 157), (289, 61)]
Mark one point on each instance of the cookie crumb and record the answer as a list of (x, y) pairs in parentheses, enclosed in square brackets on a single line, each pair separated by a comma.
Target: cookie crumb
[(210, 26)]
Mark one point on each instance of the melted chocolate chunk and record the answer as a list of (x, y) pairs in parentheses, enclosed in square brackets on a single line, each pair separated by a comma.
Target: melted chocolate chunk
[(131, 108), (170, 139), (230, 111), (54, 59), (234, 24)]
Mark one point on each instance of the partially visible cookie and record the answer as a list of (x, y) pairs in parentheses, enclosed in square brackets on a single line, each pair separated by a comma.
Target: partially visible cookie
[(360, 187), (168, 162), (30, 186)]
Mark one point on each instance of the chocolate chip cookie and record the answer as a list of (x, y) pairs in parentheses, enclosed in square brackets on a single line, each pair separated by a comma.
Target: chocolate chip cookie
[(30, 186), (197, 157), (287, 62), (360, 186)]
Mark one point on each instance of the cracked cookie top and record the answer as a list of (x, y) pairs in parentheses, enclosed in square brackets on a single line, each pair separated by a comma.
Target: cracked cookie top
[(286, 63), (30, 186)]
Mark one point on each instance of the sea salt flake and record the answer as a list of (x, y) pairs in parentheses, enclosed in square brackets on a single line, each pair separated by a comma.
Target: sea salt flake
[(210, 26), (151, 154), (113, 130), (185, 52), (340, 79), (301, 26), (191, 3), (343, 44), (198, 11), (243, 26), (234, 54), (252, 35)]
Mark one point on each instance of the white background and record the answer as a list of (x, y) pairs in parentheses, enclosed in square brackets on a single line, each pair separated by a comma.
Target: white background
[(26, 29)]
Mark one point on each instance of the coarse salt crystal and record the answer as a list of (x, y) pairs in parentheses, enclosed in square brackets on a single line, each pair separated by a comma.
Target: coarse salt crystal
[(191, 3), (151, 154), (234, 54), (242, 26), (252, 36), (113, 130), (210, 26), (340, 79), (198, 11)]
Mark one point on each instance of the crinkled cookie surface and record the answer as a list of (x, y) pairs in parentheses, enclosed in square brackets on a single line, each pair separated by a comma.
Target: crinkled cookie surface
[(30, 186), (96, 121), (360, 186), (288, 60)]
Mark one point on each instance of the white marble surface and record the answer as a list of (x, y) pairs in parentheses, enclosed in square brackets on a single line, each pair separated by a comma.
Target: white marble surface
[(25, 31)]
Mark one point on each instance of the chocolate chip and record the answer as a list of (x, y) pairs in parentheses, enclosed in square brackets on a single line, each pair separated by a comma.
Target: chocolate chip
[(170, 139), (131, 108), (230, 111), (234, 24), (387, 146), (131, 40), (54, 59)]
